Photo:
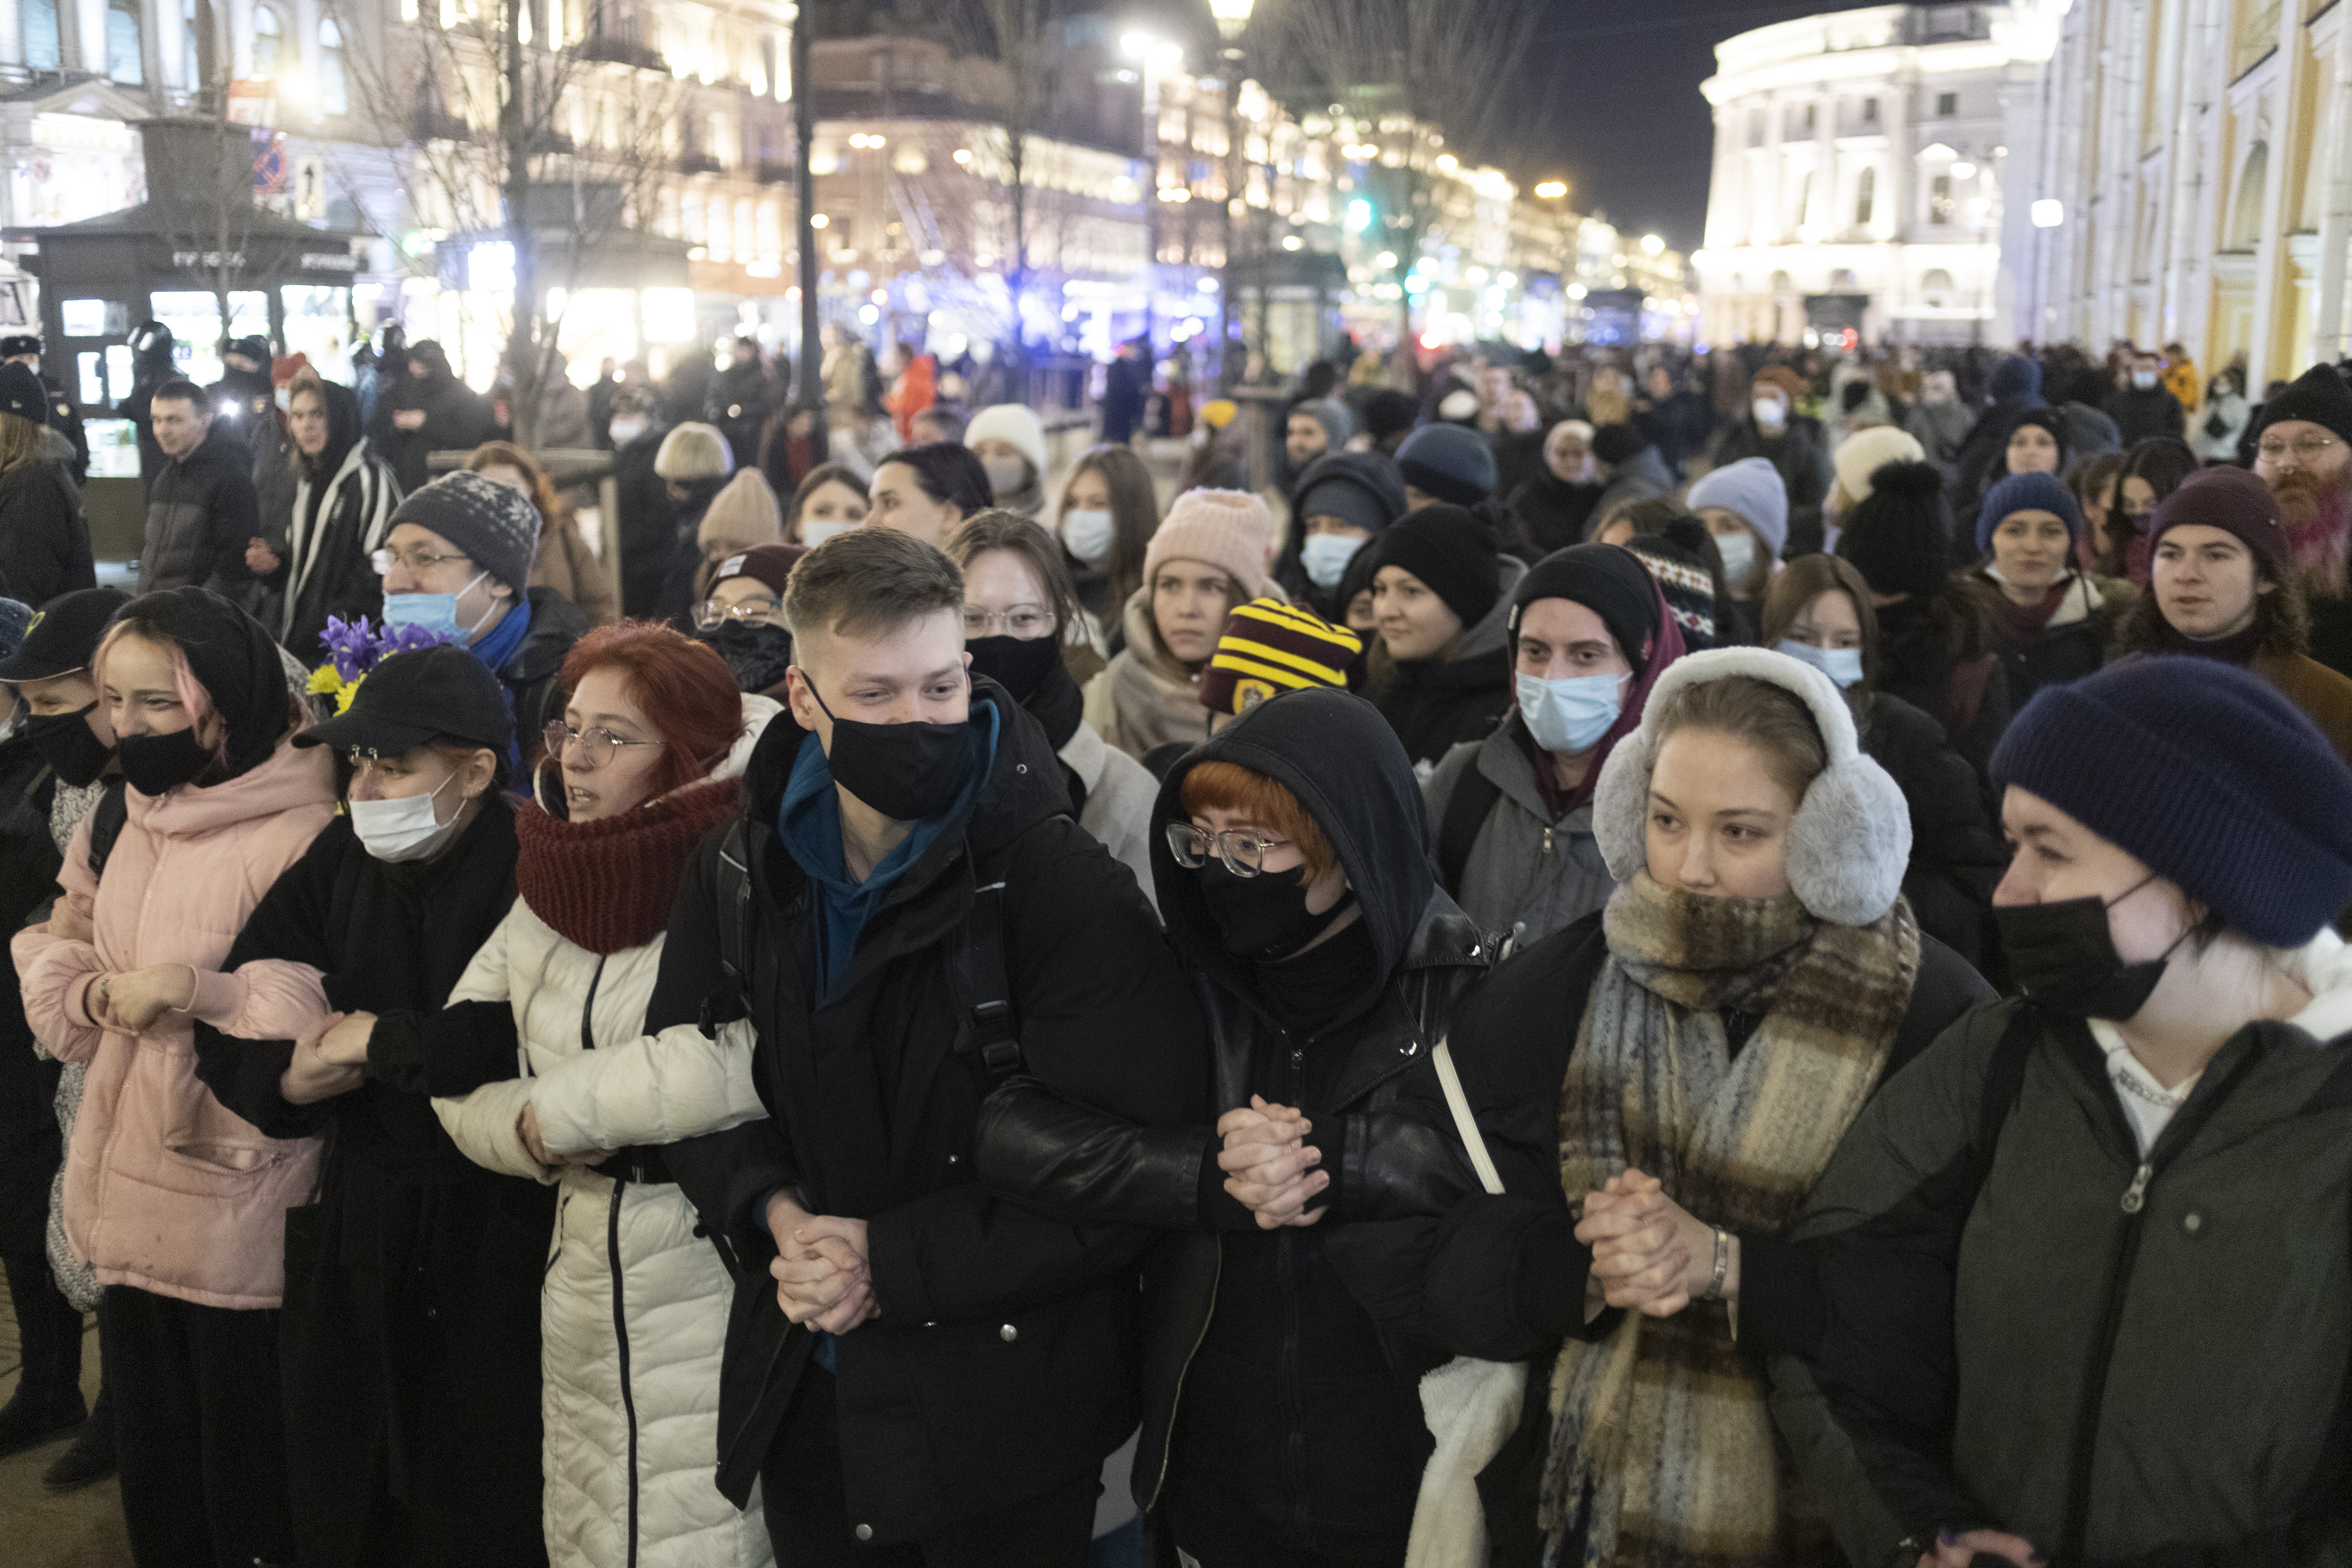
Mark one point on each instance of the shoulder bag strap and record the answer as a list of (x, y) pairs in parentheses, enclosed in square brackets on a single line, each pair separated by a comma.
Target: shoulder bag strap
[(1463, 1122)]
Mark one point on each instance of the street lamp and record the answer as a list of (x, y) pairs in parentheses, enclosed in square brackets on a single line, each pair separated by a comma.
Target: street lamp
[(1551, 189)]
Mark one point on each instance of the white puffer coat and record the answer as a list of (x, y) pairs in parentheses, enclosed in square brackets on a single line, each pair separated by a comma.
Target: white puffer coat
[(632, 1415)]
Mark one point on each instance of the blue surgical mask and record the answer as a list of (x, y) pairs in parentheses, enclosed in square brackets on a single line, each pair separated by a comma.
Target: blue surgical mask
[(1843, 665), (1739, 553), (1326, 557), (1569, 715), (435, 614)]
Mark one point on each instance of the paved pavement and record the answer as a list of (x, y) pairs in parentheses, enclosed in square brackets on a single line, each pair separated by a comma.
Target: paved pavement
[(38, 1528)]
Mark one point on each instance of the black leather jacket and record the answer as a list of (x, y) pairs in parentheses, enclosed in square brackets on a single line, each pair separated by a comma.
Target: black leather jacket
[(1393, 1161)]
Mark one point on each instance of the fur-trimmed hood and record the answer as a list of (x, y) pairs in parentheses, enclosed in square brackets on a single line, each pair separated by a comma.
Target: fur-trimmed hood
[(1851, 841)]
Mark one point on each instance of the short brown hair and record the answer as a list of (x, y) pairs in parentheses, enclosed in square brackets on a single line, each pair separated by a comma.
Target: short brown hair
[(1772, 718), (869, 580), (1229, 787), (1807, 578), (997, 529), (506, 454), (824, 474)]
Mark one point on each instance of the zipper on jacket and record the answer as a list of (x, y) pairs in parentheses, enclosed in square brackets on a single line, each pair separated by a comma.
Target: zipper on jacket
[(1176, 1405), (1286, 1380), (621, 1338)]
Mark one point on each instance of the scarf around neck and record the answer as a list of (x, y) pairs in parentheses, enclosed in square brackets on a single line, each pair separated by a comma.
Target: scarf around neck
[(608, 885), (1662, 1449)]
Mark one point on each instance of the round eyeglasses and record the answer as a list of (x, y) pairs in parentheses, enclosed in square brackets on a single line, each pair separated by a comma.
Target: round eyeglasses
[(597, 745), (1243, 849), (710, 615)]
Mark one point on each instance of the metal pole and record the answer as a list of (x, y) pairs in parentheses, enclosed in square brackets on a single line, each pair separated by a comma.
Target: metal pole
[(810, 380)]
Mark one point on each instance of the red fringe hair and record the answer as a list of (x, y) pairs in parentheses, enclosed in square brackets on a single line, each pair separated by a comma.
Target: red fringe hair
[(686, 690), (1229, 787)]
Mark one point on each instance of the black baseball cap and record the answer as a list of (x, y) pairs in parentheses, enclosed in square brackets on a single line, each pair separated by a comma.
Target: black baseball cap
[(414, 699), (64, 635)]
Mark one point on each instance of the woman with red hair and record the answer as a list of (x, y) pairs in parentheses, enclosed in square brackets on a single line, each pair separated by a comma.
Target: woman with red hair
[(632, 1312)]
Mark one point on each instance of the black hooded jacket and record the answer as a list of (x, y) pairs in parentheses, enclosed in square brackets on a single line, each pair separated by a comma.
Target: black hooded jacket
[(1299, 1424), (997, 1371), (457, 418)]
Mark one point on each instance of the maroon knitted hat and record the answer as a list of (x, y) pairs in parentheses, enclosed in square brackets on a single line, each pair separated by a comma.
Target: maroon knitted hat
[(770, 563), (2235, 501)]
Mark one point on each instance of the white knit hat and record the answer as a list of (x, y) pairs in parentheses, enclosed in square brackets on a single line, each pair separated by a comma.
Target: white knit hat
[(1012, 424), (1866, 452)]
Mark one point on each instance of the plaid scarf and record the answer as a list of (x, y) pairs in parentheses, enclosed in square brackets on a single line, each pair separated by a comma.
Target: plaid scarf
[(1663, 1451)]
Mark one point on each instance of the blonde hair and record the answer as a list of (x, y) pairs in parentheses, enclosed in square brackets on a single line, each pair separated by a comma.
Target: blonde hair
[(20, 441)]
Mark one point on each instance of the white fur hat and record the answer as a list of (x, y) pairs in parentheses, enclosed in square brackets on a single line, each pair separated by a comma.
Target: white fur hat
[(1851, 841)]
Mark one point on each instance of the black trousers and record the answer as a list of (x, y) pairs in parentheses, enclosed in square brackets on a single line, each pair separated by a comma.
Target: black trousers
[(50, 1331), (801, 1489), (199, 1431)]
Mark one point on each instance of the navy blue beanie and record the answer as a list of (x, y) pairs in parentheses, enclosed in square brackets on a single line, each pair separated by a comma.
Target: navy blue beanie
[(1451, 462), (2016, 376), (2028, 492), (2206, 775)]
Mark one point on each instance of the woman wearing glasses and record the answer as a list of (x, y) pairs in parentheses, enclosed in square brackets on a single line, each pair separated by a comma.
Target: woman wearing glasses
[(457, 568), (743, 615), (1292, 868), (1019, 608), (643, 763), (409, 1339)]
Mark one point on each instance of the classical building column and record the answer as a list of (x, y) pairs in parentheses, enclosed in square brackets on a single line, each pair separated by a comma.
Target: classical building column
[(2332, 336), (2274, 266)]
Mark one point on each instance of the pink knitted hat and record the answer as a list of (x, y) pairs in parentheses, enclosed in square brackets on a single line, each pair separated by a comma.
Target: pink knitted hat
[(1230, 530)]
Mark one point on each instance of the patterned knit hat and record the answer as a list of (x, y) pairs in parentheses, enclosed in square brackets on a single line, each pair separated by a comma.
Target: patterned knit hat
[(498, 527), (1269, 648), (1230, 530), (1687, 585)]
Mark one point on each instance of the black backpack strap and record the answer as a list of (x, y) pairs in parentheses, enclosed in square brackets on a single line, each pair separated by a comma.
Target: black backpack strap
[(106, 822), (988, 1032), (732, 1000), (1474, 797)]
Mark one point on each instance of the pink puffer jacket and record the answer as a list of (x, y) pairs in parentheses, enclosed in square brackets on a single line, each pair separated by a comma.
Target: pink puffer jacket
[(165, 1188)]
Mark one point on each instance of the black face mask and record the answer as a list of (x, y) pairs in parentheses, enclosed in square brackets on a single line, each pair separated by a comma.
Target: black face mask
[(757, 653), (906, 772), (157, 764), (66, 744), (1262, 917), (1017, 664), (2064, 956)]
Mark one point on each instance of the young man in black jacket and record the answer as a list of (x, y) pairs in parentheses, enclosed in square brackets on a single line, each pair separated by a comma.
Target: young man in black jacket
[(202, 510), (907, 914)]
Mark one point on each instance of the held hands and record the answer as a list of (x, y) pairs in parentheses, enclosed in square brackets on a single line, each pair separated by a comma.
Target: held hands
[(346, 1045), (129, 1002), (527, 1128), (823, 1279), (259, 559), (310, 1077), (1648, 1252), (1958, 1551), (1269, 1170)]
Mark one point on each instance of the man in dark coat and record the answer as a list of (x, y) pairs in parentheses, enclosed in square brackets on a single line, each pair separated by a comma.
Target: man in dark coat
[(648, 516), (900, 947), (1125, 384), (2142, 408), (44, 538), (738, 401), (431, 411), (25, 349), (244, 397), (202, 512)]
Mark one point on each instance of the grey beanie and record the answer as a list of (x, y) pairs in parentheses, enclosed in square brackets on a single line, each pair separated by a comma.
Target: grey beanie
[(498, 527)]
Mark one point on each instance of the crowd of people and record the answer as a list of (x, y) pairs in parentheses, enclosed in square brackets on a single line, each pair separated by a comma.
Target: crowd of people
[(1638, 960)]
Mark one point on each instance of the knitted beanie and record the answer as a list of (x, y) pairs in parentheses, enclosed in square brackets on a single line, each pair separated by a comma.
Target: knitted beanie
[(497, 527), (1614, 444), (2320, 395), (1332, 414), (1866, 452), (1014, 424), (1901, 538), (693, 451), (2016, 376), (2049, 419), (1451, 462), (1752, 489), (1684, 581), (1269, 648), (769, 563), (1388, 411), (22, 393), (2206, 775), (2031, 492), (1360, 489), (743, 514), (1230, 530), (1451, 551), (1609, 582), (15, 620), (2233, 500)]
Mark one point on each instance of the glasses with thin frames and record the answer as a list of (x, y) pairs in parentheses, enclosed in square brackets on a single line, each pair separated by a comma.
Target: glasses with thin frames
[(2310, 449), (1243, 849), (1023, 621), (710, 615), (416, 558), (597, 745)]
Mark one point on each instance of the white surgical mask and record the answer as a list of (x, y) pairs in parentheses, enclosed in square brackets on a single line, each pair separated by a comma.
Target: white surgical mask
[(1569, 715), (1843, 665), (2145, 380), (1006, 476), (1326, 557), (626, 430), (404, 829), (1739, 553), (1769, 413), (814, 533), (1086, 533)]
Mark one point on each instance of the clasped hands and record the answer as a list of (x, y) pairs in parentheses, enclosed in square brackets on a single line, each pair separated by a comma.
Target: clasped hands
[(129, 1001), (1650, 1254), (328, 1064), (1269, 1167), (824, 1281)]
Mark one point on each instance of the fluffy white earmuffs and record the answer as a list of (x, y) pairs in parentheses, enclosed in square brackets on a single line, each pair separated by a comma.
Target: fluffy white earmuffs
[(1850, 840)]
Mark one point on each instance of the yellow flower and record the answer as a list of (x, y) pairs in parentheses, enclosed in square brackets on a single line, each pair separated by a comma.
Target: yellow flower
[(345, 695), (324, 679)]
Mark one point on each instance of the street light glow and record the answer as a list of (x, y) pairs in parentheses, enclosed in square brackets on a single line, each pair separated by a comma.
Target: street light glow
[(963, 155), (1385, 259), (1652, 245), (1964, 169), (818, 220), (1359, 215), (2049, 213), (1552, 190)]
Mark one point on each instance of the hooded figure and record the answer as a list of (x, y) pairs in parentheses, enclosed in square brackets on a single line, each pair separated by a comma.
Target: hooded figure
[(2015, 390), (343, 501), (150, 366), (428, 413), (1325, 985), (1360, 490)]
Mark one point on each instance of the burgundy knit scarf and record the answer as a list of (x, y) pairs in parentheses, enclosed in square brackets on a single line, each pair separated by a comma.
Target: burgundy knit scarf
[(608, 885)]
